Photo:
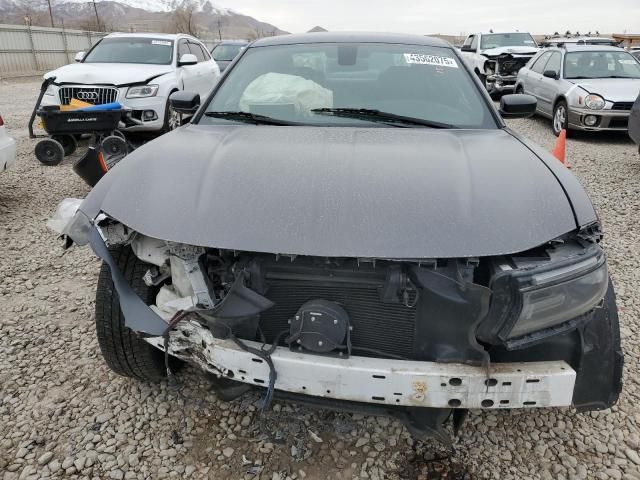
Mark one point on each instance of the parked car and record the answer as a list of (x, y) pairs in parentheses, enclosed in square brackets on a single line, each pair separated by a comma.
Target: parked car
[(350, 223), (7, 148), (224, 52), (140, 71), (582, 87), (497, 57)]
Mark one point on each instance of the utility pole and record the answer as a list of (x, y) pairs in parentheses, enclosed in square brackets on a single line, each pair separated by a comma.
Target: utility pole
[(95, 9), (50, 13)]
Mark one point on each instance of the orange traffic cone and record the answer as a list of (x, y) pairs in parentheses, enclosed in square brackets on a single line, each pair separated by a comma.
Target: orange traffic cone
[(559, 151)]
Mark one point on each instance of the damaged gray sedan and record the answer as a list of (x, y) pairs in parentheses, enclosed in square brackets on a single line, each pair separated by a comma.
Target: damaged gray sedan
[(346, 221)]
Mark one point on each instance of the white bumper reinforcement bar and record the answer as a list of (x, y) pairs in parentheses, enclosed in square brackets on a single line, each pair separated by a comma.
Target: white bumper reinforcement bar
[(380, 381)]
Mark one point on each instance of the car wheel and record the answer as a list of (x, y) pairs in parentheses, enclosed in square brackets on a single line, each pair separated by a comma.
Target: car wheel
[(560, 118), (172, 118), (520, 89), (49, 152), (123, 351)]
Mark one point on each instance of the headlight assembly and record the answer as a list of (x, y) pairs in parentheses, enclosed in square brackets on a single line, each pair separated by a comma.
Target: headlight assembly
[(530, 300), (142, 91), (594, 102)]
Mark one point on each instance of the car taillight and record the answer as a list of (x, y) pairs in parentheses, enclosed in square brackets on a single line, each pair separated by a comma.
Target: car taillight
[(1, 121)]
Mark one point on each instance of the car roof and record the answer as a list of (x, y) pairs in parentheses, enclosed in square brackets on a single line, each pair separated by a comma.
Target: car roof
[(570, 47), (499, 33), (351, 37), (232, 42), (166, 36)]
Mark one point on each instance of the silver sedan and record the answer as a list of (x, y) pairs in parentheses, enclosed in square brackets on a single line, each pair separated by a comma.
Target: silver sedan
[(585, 87)]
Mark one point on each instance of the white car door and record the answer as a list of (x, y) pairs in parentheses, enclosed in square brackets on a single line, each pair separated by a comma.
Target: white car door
[(188, 74), (207, 71)]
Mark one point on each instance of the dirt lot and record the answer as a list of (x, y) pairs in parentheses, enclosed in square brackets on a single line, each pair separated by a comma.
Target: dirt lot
[(63, 414)]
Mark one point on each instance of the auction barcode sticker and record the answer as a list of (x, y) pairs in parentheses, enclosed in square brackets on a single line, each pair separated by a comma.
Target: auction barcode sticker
[(161, 42), (420, 59)]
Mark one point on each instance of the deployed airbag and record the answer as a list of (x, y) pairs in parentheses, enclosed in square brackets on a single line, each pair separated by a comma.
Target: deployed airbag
[(277, 89)]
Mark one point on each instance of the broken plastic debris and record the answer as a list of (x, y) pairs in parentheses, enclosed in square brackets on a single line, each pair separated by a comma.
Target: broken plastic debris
[(64, 213), (168, 302), (316, 438)]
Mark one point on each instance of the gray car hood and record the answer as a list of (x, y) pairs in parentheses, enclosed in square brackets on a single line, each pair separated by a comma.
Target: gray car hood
[(612, 89), (354, 192)]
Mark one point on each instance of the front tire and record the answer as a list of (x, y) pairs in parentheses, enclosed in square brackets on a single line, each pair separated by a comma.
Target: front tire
[(172, 118), (560, 118), (123, 351)]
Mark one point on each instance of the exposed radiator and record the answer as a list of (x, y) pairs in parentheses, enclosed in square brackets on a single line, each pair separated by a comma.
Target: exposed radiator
[(93, 95), (382, 326)]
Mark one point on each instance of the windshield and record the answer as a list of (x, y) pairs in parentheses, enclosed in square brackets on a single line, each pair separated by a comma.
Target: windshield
[(495, 40), (324, 84), (226, 53), (616, 64), (132, 50)]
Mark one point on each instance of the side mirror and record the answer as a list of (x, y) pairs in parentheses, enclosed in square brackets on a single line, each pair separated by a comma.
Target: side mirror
[(518, 105), (79, 56), (185, 102), (187, 59), (467, 48), (551, 74)]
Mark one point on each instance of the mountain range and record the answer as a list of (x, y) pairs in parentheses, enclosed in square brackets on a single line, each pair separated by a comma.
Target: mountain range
[(202, 18)]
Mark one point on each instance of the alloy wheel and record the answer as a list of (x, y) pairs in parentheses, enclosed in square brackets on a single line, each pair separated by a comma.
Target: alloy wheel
[(560, 118)]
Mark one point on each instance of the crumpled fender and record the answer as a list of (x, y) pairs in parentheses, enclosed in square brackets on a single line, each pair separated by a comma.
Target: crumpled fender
[(138, 316)]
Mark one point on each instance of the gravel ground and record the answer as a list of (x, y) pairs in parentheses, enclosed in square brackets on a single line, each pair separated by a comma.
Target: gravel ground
[(63, 414)]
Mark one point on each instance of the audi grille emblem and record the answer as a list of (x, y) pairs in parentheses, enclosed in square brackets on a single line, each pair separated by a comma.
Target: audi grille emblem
[(87, 95)]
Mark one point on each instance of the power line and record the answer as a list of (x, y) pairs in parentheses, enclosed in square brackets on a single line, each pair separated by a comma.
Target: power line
[(50, 13)]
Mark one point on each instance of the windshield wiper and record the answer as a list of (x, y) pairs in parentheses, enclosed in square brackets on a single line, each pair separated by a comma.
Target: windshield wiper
[(248, 117), (378, 116)]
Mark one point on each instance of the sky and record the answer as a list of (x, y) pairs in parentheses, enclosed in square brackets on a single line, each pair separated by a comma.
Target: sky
[(446, 16)]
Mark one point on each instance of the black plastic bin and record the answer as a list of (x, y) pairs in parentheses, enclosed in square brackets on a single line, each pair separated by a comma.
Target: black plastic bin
[(57, 122)]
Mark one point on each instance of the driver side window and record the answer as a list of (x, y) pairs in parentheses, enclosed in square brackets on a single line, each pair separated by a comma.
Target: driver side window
[(183, 49), (474, 43), (554, 62), (538, 67), (197, 51)]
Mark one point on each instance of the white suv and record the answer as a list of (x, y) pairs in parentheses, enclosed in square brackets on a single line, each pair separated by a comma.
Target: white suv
[(7, 148), (139, 71)]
